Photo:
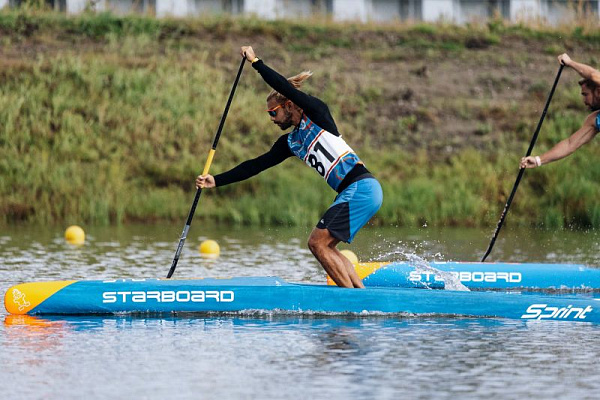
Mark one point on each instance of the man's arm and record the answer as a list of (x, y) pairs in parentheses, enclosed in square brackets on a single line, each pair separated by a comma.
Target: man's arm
[(567, 146), (278, 153), (585, 71), (280, 84)]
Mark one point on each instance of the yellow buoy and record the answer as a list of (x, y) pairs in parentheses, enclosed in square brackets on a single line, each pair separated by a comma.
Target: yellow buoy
[(350, 256), (209, 249), (75, 235)]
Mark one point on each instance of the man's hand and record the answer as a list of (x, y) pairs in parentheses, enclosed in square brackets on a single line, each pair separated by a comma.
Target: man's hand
[(205, 181), (530, 162), (564, 59), (248, 52)]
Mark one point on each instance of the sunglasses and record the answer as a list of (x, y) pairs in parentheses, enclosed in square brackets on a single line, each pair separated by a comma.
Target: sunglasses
[(273, 111)]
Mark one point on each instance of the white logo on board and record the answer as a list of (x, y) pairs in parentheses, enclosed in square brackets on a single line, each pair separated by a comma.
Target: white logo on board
[(544, 311), (19, 299)]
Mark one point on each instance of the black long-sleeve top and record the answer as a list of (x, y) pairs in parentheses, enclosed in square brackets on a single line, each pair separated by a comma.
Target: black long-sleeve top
[(314, 108)]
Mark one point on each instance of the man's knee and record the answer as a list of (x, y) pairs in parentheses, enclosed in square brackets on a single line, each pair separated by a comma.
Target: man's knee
[(314, 243), (318, 239)]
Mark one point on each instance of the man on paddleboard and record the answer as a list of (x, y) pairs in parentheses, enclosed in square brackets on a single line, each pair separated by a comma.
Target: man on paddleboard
[(316, 141), (590, 91)]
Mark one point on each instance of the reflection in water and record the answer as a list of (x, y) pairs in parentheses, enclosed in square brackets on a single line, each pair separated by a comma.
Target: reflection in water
[(273, 356), (31, 338), (343, 357)]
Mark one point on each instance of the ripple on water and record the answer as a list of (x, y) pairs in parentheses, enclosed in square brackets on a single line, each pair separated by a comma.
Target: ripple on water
[(266, 355)]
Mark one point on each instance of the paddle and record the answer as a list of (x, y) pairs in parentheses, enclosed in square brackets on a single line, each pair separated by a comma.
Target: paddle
[(522, 170), (211, 154)]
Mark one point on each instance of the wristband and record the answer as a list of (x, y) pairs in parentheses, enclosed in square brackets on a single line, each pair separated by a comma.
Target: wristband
[(255, 60), (538, 161)]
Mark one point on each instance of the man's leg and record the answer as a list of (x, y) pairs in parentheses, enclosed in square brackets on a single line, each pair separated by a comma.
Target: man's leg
[(339, 268), (356, 281)]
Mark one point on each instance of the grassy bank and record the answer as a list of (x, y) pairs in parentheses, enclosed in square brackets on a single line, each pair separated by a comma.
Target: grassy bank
[(108, 119)]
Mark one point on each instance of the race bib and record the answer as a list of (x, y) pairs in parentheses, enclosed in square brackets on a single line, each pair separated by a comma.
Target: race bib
[(325, 152)]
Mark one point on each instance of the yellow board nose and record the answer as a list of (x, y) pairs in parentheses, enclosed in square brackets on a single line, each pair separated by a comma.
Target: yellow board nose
[(21, 299)]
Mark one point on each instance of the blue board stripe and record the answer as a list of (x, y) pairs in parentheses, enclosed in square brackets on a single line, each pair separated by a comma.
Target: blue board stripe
[(270, 293), (487, 275)]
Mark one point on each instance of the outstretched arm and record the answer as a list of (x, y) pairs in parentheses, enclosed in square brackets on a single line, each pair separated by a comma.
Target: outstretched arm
[(567, 146), (585, 71), (279, 152)]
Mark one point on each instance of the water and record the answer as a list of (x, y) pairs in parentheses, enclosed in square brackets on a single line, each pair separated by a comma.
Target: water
[(271, 356)]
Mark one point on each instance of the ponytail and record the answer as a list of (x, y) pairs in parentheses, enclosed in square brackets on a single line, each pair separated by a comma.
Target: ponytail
[(296, 81)]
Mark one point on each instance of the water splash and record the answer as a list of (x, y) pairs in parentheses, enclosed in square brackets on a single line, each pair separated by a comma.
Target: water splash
[(422, 266)]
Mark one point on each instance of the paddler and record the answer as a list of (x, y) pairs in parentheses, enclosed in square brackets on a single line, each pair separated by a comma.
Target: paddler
[(590, 91), (314, 139)]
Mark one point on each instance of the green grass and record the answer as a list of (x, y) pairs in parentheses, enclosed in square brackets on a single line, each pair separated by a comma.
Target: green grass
[(108, 119)]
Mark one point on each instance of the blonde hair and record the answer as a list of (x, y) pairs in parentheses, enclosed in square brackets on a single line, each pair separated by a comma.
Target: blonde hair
[(296, 82)]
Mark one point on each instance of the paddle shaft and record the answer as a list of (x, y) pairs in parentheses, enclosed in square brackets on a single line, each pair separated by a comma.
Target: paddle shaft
[(522, 170), (211, 154)]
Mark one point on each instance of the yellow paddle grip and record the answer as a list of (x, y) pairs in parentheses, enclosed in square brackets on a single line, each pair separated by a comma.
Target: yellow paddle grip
[(211, 154)]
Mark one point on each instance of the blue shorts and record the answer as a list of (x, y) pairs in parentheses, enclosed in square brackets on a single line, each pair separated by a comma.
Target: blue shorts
[(352, 209)]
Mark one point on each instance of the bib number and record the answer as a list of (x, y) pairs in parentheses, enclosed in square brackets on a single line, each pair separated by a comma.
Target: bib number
[(313, 161)]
